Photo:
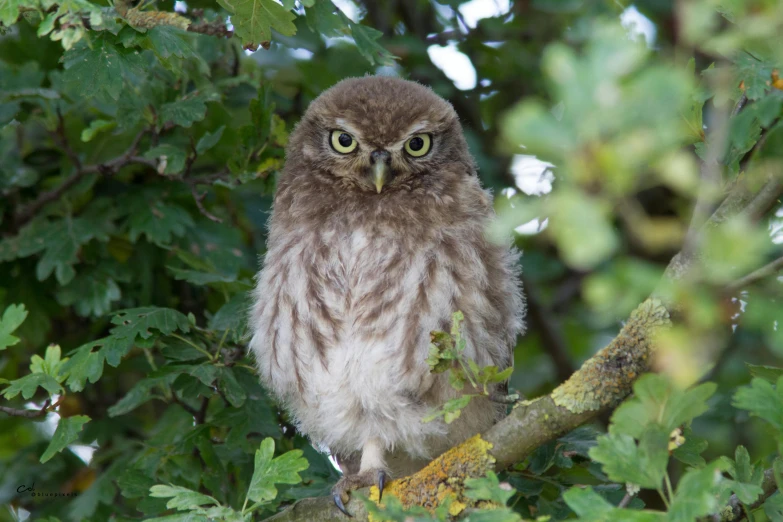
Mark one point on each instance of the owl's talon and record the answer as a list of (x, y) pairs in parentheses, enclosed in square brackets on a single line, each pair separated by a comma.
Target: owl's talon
[(338, 501), (381, 483)]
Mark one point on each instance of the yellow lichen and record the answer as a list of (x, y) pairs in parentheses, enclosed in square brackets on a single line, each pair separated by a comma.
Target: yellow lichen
[(443, 479), (604, 379), (149, 19)]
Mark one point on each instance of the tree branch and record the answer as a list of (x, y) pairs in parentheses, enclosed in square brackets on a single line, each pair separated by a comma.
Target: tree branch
[(551, 336), (149, 19), (29, 414), (734, 510), (26, 213), (762, 273)]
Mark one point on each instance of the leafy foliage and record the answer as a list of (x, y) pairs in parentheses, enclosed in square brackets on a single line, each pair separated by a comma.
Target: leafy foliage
[(446, 353)]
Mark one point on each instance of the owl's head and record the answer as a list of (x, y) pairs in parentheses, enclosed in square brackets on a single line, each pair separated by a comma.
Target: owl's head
[(381, 134)]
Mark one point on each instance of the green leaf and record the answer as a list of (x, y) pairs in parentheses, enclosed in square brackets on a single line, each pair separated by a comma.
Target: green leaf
[(492, 515), (61, 240), (773, 507), (228, 385), (488, 488), (254, 20), (366, 41), (209, 140), (754, 73), (657, 401), (100, 69), (101, 491), (67, 431), (168, 41), (86, 364), (158, 221), (590, 506), (690, 452), (183, 112), (698, 493), (491, 374), (587, 503), (764, 400), (140, 321), (91, 293), (451, 409), (578, 216), (268, 471), (9, 11), (200, 278), (747, 478), (624, 461), (171, 160), (50, 364), (13, 317), (140, 393), (322, 19), (232, 316), (28, 385), (768, 373), (134, 483), (95, 127), (393, 511), (182, 499)]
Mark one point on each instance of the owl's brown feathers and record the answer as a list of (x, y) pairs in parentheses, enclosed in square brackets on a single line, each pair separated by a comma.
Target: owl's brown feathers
[(355, 279)]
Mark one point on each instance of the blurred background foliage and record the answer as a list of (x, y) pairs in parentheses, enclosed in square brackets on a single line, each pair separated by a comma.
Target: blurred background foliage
[(139, 158)]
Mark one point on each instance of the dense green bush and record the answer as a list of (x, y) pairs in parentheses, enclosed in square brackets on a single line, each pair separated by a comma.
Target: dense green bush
[(139, 149)]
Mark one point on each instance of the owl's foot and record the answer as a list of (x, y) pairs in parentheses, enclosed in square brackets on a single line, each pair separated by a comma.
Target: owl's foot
[(341, 492)]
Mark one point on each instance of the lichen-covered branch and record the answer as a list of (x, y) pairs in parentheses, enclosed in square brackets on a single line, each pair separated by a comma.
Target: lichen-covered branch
[(602, 382), (149, 19)]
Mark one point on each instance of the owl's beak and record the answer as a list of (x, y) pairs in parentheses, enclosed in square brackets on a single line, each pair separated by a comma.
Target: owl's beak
[(380, 172), (380, 168)]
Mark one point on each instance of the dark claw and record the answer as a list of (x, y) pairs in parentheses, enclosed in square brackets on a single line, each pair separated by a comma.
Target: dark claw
[(381, 483), (338, 501)]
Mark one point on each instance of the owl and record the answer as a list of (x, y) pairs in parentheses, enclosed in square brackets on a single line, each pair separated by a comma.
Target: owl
[(377, 236)]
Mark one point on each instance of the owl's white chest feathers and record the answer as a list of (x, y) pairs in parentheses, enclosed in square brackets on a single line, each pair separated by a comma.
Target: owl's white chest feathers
[(341, 334)]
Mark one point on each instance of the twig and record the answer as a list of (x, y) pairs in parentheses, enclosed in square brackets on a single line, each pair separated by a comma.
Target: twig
[(29, 414), (202, 412), (710, 182), (763, 272), (445, 37), (211, 29), (27, 212), (193, 411), (625, 501), (198, 198), (764, 200), (552, 339)]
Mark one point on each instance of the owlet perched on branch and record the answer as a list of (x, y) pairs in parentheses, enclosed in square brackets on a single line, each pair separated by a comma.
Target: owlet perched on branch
[(376, 238)]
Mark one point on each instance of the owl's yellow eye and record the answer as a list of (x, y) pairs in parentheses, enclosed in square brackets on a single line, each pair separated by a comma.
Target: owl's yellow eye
[(418, 145), (343, 142)]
